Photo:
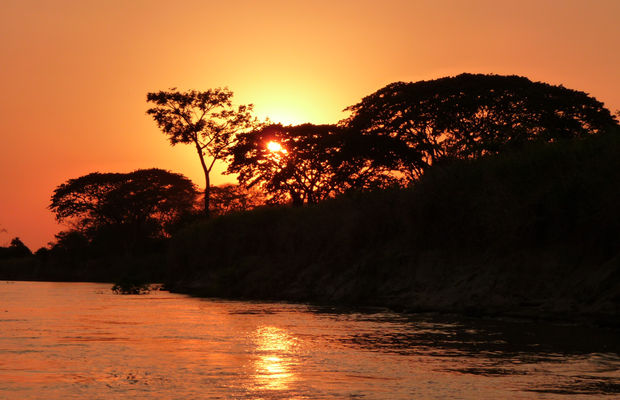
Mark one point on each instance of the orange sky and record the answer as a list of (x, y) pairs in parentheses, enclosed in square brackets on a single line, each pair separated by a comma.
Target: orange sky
[(74, 74)]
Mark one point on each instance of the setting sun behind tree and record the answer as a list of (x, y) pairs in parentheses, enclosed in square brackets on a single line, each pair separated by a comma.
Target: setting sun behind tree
[(275, 147)]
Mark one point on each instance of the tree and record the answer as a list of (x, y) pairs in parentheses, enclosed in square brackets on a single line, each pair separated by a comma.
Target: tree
[(231, 198), (288, 163), (206, 120), (128, 207), (468, 116), (16, 249), (301, 163)]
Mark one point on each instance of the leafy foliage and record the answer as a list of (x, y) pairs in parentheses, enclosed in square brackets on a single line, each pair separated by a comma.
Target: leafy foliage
[(16, 249), (131, 287), (536, 224), (299, 169), (144, 202), (232, 198), (468, 116), (206, 120), (307, 164)]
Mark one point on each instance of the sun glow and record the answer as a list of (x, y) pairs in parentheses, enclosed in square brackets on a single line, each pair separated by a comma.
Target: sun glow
[(275, 147)]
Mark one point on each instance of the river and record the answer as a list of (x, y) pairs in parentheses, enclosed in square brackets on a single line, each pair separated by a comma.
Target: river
[(81, 341)]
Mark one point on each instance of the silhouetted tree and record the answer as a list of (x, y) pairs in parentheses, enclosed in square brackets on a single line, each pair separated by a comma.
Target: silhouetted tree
[(117, 206), (302, 163), (42, 252), (16, 249), (206, 120), (230, 198), (70, 248), (413, 125), (19, 247), (287, 162), (71, 241)]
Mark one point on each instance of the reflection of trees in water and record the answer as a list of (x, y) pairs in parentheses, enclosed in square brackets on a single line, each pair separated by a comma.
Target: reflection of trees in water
[(482, 338), (495, 348)]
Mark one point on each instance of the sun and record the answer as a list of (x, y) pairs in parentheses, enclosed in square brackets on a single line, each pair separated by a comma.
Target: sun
[(275, 147)]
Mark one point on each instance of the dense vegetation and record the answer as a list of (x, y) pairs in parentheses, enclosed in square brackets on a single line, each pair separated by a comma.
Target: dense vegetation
[(467, 116), (118, 226), (534, 229), (475, 192), (394, 135)]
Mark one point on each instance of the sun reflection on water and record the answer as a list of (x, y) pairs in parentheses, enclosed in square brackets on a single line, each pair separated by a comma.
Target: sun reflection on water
[(275, 350)]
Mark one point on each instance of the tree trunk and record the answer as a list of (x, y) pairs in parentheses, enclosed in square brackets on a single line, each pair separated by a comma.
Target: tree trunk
[(207, 180), (297, 199), (207, 194)]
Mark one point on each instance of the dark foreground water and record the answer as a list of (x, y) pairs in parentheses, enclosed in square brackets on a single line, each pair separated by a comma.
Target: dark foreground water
[(80, 341)]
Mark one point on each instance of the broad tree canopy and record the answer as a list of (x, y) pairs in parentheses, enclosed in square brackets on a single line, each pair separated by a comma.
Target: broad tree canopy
[(470, 115), (301, 163), (287, 162), (146, 200)]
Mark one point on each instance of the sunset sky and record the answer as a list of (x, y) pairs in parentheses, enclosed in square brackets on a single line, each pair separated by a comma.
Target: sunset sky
[(75, 74)]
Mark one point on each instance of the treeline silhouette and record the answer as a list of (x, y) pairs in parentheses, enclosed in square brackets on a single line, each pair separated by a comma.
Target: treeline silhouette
[(16, 249), (420, 174), (394, 135), (531, 232), (390, 138)]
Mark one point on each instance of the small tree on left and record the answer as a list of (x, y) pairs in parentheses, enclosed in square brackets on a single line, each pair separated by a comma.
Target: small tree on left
[(17, 248), (130, 207)]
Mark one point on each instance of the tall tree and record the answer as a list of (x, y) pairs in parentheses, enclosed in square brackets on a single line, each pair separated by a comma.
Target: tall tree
[(468, 116), (206, 120)]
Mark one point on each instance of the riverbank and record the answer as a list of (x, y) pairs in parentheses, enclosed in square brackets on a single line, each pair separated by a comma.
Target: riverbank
[(532, 233)]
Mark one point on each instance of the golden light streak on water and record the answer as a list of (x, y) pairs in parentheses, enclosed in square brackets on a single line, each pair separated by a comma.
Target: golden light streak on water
[(276, 350), (75, 341)]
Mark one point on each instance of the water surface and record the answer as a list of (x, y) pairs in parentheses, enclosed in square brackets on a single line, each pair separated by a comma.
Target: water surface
[(81, 341)]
